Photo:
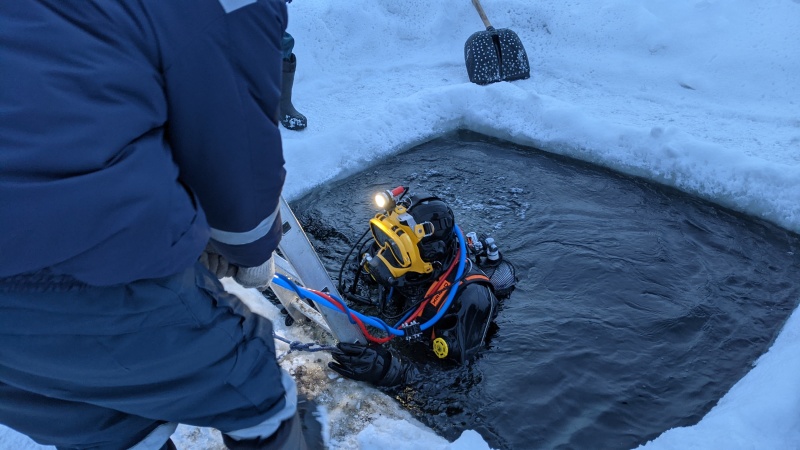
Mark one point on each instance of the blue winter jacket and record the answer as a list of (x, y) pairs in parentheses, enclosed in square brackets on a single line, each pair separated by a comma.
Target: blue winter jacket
[(127, 127)]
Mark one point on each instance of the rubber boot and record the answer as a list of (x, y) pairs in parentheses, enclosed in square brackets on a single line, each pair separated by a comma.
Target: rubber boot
[(290, 118), (311, 417), (302, 432)]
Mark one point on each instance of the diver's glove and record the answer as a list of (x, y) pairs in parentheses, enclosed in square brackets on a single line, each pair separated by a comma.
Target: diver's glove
[(372, 363)]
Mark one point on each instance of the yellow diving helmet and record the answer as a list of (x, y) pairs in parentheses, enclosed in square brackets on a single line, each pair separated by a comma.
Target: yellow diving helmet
[(411, 236)]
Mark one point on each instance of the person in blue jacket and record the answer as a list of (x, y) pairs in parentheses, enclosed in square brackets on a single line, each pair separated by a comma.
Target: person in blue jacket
[(136, 134)]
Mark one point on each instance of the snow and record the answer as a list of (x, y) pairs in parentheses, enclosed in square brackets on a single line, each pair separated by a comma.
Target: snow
[(700, 95)]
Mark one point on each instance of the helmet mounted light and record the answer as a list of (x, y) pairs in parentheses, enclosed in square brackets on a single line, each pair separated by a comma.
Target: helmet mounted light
[(387, 199)]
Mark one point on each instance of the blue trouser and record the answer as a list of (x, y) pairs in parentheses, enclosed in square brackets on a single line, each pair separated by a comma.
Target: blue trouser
[(85, 367), (287, 45)]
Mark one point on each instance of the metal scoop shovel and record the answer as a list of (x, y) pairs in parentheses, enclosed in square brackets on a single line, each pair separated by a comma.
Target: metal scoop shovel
[(495, 55)]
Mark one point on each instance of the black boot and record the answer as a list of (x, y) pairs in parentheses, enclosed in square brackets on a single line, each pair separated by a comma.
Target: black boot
[(290, 118), (301, 432), (310, 423)]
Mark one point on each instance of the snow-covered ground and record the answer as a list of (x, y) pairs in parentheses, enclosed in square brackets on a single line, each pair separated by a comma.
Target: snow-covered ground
[(702, 95)]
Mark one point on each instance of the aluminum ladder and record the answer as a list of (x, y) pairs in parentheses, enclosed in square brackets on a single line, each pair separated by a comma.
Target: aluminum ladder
[(301, 264)]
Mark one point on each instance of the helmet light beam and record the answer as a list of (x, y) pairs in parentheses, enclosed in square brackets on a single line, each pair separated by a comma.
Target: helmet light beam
[(387, 199)]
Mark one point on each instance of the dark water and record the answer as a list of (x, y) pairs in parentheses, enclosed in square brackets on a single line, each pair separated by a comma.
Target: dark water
[(637, 308)]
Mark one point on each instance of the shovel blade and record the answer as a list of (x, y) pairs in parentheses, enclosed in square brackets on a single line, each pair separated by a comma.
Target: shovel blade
[(495, 55)]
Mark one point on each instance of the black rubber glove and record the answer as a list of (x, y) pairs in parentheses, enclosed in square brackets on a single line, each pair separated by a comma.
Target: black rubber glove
[(372, 363)]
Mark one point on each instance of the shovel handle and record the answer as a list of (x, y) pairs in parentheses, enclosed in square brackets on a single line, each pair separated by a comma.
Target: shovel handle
[(485, 19)]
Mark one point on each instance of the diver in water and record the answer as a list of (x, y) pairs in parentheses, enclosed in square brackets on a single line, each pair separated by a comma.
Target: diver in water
[(445, 286)]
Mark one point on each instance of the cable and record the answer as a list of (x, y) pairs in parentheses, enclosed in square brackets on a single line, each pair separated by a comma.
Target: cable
[(304, 293), (347, 258), (461, 263), (330, 301)]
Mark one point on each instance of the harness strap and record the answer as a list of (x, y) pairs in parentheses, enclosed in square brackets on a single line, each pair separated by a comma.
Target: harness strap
[(476, 278), (436, 302)]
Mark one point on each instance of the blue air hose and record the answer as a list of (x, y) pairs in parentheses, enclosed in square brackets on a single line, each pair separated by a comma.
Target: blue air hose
[(376, 322), (304, 293), (462, 261)]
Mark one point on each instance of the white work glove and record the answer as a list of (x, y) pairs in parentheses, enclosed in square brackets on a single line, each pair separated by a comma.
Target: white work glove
[(216, 263), (257, 277)]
